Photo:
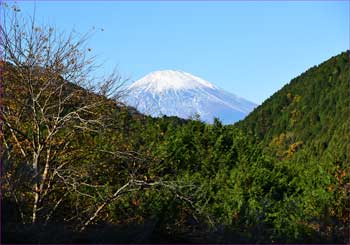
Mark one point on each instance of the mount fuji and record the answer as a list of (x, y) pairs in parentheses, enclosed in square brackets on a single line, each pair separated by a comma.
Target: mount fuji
[(177, 93)]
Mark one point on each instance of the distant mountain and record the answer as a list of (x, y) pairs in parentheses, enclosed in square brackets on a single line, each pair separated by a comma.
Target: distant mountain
[(177, 93)]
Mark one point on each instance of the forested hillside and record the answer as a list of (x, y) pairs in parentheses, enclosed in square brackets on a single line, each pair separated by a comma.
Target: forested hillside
[(80, 167), (306, 124), (311, 112)]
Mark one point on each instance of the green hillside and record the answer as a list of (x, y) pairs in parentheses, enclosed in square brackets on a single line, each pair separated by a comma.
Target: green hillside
[(306, 126), (311, 112)]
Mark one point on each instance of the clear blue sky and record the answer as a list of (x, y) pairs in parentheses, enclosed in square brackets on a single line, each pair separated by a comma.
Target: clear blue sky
[(249, 48)]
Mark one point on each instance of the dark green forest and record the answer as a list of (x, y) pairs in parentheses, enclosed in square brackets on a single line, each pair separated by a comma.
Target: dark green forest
[(78, 166)]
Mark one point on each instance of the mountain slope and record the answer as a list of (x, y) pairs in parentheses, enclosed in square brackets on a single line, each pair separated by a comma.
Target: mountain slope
[(311, 112), (177, 93), (305, 126)]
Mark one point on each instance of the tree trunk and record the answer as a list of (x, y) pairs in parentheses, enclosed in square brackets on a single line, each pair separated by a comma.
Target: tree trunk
[(36, 188), (35, 206)]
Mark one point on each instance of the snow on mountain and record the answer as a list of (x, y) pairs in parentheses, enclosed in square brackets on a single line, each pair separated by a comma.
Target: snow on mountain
[(160, 81), (177, 93)]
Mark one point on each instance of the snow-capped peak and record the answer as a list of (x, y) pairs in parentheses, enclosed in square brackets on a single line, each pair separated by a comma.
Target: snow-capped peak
[(178, 93), (160, 81)]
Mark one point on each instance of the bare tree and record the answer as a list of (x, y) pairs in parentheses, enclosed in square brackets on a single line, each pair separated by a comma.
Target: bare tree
[(49, 90), (50, 99)]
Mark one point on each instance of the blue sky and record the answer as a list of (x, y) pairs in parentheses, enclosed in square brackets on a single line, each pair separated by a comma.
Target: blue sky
[(248, 48)]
